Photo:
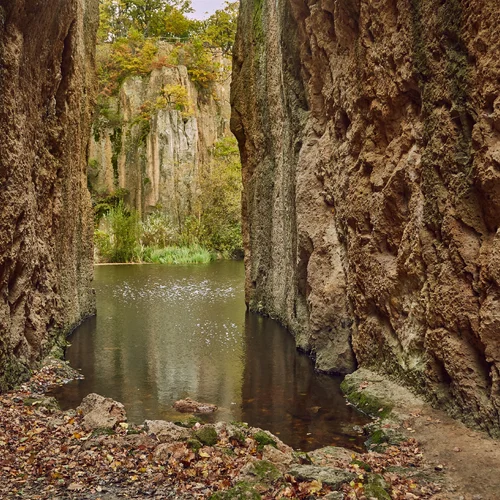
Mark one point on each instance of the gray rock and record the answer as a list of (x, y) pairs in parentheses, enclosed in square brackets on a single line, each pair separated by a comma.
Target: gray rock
[(100, 412), (166, 432), (331, 452), (281, 460), (327, 475), (259, 471)]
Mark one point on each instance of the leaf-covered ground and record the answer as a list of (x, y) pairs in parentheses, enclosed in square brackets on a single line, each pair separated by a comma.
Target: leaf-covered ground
[(46, 453)]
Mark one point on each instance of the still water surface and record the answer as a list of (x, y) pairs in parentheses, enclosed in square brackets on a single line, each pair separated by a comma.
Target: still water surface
[(163, 333)]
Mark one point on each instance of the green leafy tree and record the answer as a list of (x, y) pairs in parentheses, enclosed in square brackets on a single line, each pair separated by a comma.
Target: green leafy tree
[(219, 203), (121, 234), (220, 28), (151, 18)]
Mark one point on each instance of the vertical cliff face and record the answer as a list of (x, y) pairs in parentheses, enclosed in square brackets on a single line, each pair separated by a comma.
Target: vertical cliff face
[(154, 151), (46, 82), (370, 139)]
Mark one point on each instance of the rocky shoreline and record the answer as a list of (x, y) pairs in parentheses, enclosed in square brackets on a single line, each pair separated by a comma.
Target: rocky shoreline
[(93, 453)]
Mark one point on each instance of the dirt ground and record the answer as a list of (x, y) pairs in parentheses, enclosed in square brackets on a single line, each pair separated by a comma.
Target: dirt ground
[(468, 460)]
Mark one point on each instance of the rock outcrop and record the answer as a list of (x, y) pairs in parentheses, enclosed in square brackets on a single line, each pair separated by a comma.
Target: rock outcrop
[(154, 151), (370, 139), (47, 83)]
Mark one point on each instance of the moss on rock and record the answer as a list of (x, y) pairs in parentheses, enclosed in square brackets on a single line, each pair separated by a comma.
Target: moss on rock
[(207, 435), (263, 439), (365, 401), (242, 490)]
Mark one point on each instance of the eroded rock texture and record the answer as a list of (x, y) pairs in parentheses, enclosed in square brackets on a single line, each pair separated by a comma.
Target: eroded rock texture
[(46, 83), (370, 138), (157, 161)]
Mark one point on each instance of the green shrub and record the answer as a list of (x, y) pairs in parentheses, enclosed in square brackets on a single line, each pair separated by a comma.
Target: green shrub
[(122, 228), (219, 202), (158, 231)]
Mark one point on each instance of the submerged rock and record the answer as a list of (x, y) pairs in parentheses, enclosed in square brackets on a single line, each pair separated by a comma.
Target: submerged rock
[(100, 412), (189, 405)]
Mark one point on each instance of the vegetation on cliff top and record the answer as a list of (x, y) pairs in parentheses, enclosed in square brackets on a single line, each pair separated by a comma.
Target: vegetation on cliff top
[(130, 30)]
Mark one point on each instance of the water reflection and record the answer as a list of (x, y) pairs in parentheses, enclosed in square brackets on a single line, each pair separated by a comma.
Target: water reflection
[(165, 333), (282, 393)]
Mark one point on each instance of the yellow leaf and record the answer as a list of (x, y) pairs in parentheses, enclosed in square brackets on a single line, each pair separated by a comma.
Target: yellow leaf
[(315, 486), (204, 454), (109, 458)]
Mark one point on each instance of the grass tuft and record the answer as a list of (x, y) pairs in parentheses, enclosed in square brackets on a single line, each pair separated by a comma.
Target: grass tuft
[(194, 254)]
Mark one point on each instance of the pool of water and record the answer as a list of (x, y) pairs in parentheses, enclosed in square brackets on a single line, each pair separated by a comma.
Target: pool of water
[(163, 333)]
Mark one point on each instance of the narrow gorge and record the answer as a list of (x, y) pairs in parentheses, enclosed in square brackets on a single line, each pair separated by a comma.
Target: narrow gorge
[(369, 133), (348, 151)]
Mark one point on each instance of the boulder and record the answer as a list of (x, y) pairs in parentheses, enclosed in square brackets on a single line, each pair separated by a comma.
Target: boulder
[(166, 432), (100, 412), (327, 475), (281, 460), (331, 453)]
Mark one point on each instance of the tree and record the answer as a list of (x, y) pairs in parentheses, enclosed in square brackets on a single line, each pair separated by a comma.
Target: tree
[(220, 28), (151, 18)]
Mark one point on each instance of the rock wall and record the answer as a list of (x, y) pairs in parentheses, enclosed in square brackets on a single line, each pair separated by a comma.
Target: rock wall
[(370, 139), (157, 160), (46, 83)]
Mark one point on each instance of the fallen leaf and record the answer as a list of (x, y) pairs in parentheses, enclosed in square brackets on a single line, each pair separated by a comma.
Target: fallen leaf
[(76, 487)]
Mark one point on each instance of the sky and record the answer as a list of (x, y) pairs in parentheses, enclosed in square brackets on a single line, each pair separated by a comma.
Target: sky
[(202, 6)]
